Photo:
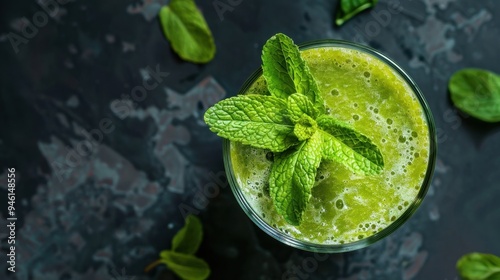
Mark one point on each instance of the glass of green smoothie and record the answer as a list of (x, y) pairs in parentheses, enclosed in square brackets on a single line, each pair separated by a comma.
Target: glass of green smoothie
[(366, 90)]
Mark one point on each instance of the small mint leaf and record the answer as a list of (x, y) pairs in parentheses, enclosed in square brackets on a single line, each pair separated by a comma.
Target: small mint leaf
[(292, 177), (305, 127), (298, 104), (343, 144), (257, 120), (187, 267), (187, 31), (286, 72), (477, 93), (188, 238), (349, 8), (479, 266)]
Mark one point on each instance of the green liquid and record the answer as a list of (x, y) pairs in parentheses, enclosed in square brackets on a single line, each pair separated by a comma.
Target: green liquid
[(367, 93)]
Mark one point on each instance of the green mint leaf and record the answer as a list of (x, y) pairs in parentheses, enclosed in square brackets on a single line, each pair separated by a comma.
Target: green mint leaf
[(187, 267), (305, 128), (257, 120), (477, 266), (292, 177), (343, 144), (286, 72), (189, 238), (298, 104), (477, 93), (188, 32), (349, 8)]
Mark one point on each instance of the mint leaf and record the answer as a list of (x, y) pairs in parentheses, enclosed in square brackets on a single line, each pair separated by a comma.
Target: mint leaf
[(349, 8), (188, 238), (187, 267), (343, 144), (298, 104), (188, 32), (292, 177), (257, 120), (477, 266), (305, 127), (286, 72), (477, 93), (184, 244)]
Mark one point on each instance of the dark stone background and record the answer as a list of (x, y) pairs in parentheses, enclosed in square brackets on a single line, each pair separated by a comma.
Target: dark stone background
[(106, 215)]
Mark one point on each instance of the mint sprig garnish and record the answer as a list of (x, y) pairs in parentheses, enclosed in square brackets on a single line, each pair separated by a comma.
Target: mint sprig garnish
[(187, 31), (292, 123), (181, 259)]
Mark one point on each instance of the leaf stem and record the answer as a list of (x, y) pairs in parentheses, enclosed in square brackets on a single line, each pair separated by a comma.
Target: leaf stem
[(152, 265)]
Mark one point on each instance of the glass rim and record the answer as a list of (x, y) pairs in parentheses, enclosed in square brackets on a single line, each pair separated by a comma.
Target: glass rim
[(412, 208)]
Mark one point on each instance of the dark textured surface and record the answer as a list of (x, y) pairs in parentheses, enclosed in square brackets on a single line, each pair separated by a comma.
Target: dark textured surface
[(106, 215)]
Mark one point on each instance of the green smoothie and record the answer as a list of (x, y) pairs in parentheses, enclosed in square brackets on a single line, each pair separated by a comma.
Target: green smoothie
[(365, 92)]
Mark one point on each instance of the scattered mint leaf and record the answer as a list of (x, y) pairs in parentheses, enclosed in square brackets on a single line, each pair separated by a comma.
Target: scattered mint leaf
[(349, 8), (188, 239), (305, 128), (349, 147), (292, 177), (187, 31), (477, 93), (186, 266), (478, 266), (257, 120), (298, 104), (181, 259), (286, 72)]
